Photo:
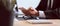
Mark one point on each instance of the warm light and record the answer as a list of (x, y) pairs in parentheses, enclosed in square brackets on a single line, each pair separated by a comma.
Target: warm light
[(28, 3)]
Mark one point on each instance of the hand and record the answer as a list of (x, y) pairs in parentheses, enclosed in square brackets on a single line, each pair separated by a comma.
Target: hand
[(33, 12), (29, 12), (26, 12)]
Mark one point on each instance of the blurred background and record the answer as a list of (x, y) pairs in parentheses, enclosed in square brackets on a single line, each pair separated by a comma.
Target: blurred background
[(11, 4)]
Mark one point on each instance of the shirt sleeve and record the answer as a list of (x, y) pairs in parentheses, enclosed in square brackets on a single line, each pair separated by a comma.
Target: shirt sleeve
[(42, 14)]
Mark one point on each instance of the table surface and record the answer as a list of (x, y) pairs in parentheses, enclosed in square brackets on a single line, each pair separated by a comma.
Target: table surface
[(55, 22)]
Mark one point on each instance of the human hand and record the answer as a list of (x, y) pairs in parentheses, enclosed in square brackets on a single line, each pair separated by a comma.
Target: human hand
[(25, 11), (29, 12)]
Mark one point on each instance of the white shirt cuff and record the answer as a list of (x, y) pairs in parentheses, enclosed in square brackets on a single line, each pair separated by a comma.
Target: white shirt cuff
[(42, 14)]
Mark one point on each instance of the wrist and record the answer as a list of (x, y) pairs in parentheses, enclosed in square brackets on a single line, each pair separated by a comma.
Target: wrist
[(37, 14)]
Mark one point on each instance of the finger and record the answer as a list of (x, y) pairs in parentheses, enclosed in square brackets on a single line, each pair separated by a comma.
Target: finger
[(31, 9), (22, 8)]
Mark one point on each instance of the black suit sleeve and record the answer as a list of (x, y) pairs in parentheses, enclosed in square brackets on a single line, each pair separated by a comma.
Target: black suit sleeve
[(42, 5)]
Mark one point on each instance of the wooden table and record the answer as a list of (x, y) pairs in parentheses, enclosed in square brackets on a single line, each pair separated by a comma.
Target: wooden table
[(55, 22)]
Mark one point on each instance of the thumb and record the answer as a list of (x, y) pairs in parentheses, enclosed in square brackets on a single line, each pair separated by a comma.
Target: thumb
[(30, 8)]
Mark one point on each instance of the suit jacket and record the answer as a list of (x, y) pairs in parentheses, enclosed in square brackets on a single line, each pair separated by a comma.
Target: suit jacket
[(50, 15)]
